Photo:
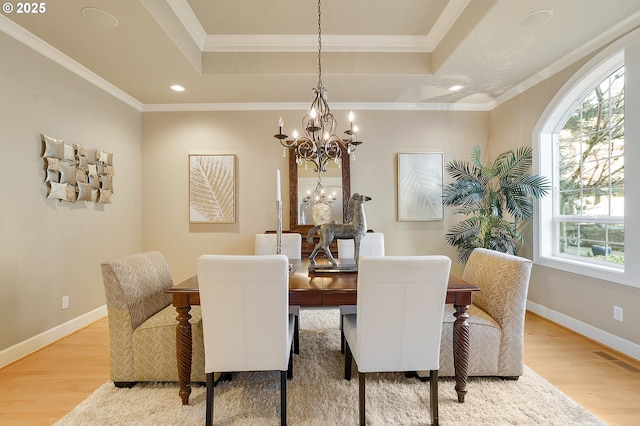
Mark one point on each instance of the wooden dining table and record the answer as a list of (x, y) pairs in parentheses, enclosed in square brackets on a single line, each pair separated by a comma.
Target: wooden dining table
[(316, 289)]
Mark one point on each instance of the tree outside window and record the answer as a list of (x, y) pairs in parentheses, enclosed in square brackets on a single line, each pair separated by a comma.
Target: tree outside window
[(590, 173)]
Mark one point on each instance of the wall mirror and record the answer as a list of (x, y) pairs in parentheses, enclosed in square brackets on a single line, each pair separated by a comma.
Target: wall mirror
[(304, 180)]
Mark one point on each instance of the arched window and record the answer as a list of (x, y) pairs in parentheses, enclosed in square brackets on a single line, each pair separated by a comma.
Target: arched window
[(589, 168), (580, 140)]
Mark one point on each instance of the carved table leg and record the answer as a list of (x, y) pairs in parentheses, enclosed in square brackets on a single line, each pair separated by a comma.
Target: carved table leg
[(461, 349), (183, 352)]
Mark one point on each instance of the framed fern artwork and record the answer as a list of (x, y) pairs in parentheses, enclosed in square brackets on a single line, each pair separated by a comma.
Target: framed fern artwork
[(212, 193), (420, 177)]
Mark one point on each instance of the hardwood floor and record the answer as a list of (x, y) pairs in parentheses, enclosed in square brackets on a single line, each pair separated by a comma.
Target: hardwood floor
[(42, 387), (602, 380)]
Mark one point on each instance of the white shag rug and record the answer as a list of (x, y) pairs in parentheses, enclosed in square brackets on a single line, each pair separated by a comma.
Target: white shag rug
[(319, 395)]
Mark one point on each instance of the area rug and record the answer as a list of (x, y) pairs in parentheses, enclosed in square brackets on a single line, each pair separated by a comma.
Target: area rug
[(318, 395)]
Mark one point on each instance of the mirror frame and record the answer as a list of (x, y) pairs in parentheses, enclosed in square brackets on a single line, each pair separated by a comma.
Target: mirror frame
[(293, 190)]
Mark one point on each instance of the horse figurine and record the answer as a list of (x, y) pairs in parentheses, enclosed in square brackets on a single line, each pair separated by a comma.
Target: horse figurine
[(355, 227)]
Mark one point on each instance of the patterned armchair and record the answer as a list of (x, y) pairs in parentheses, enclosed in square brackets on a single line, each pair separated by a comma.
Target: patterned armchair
[(142, 322), (496, 318)]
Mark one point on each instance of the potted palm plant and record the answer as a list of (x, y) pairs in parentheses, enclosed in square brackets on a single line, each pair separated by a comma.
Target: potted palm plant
[(497, 199)]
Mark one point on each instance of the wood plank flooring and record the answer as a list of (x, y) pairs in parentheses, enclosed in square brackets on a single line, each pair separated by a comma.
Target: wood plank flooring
[(42, 387), (600, 379)]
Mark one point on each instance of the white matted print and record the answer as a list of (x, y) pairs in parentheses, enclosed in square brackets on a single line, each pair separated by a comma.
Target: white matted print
[(420, 177), (212, 194)]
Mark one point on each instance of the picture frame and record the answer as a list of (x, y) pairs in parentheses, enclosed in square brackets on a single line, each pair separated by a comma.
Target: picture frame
[(420, 183), (212, 193)]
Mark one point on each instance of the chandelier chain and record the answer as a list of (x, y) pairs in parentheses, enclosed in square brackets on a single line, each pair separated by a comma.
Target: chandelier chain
[(319, 47)]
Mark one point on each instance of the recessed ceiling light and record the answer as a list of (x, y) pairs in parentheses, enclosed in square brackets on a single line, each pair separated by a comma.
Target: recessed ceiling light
[(456, 88), (100, 17), (177, 88), (535, 18)]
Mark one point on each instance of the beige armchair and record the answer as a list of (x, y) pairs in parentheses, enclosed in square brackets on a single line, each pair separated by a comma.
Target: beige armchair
[(496, 318), (142, 322)]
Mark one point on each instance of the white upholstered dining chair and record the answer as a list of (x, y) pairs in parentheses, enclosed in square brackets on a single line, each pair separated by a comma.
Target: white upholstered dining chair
[(252, 330), (410, 291), (292, 248), (372, 244), (142, 322), (291, 244)]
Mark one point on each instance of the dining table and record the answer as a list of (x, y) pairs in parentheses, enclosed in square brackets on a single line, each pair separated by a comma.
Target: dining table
[(321, 288)]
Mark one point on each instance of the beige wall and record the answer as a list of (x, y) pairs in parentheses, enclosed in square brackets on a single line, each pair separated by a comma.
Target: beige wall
[(169, 137), (583, 301), (52, 249)]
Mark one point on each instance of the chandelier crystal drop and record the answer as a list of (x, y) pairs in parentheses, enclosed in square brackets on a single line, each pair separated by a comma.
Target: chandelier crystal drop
[(320, 143)]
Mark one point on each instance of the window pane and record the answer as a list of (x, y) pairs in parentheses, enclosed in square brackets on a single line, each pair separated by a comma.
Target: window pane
[(590, 169), (570, 202), (617, 201), (590, 202), (617, 144), (593, 241), (617, 83)]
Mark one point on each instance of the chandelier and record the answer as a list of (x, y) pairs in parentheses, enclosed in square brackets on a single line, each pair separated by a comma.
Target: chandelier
[(320, 143)]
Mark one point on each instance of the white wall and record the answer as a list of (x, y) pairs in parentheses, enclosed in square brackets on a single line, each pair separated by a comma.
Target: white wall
[(52, 249)]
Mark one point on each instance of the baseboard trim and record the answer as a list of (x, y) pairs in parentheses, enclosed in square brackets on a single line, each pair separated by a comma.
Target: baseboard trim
[(612, 341), (29, 346)]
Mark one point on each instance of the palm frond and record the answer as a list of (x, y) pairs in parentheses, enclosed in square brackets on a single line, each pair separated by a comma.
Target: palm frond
[(463, 192), (464, 231), (533, 185), (476, 156), (513, 164), (518, 205), (461, 170)]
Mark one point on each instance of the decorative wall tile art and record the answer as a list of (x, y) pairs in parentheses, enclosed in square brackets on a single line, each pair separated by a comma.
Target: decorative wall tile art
[(76, 172), (420, 186), (212, 195)]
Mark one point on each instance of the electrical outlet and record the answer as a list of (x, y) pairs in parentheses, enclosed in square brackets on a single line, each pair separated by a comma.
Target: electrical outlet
[(618, 313), (65, 302)]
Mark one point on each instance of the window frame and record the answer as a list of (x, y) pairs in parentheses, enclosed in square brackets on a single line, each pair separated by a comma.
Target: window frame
[(585, 220), (545, 137)]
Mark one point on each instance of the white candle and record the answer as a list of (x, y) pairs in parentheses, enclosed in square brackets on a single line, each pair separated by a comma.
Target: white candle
[(278, 195)]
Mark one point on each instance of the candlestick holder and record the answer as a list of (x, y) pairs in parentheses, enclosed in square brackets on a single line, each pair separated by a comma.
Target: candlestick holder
[(279, 228)]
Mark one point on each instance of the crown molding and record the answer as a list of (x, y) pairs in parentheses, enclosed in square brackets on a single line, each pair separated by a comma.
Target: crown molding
[(25, 37), (301, 42), (300, 106), (309, 43)]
